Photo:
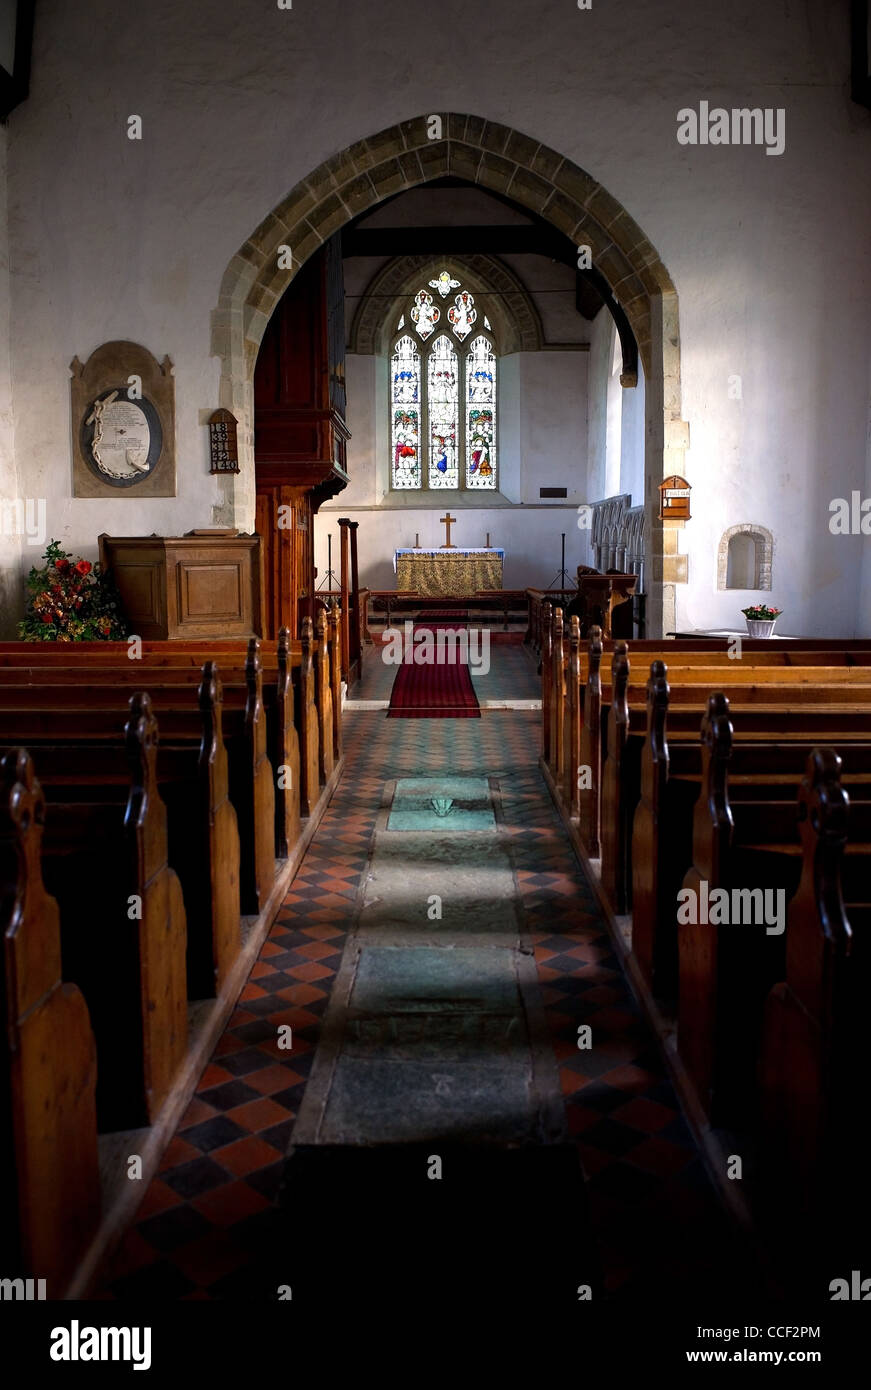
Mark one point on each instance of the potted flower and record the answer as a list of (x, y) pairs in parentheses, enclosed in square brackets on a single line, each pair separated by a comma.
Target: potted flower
[(71, 601), (761, 619)]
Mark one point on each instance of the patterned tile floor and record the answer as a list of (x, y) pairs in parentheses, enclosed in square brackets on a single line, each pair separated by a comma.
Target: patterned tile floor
[(655, 1217)]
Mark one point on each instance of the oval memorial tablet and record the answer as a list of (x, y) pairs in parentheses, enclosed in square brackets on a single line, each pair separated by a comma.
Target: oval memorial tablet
[(121, 437)]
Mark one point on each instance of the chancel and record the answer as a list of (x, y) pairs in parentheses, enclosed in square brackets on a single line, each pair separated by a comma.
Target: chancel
[(414, 927)]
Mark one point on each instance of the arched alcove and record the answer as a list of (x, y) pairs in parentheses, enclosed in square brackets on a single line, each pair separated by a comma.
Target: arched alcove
[(503, 160), (744, 557)]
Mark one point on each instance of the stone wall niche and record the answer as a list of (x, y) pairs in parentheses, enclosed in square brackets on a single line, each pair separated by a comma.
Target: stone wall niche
[(744, 557)]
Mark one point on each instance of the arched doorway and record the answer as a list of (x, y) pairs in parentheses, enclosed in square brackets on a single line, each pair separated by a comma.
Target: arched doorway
[(504, 161)]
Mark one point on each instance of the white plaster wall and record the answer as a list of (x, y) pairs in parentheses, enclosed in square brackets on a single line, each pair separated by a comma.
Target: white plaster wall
[(598, 378), (113, 238), (11, 541), (632, 439)]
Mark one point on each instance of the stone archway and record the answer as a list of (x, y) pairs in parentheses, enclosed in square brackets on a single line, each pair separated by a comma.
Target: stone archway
[(505, 161)]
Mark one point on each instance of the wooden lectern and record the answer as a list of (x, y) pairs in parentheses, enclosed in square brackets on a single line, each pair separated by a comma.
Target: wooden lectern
[(598, 596)]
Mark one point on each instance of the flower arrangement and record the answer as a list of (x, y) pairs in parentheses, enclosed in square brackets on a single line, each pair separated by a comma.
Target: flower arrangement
[(71, 601), (761, 613)]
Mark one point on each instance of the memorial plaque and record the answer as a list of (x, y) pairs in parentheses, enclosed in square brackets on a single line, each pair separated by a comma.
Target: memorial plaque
[(123, 423)]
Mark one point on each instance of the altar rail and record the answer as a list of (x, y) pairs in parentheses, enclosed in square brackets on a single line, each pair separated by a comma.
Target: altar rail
[(391, 601)]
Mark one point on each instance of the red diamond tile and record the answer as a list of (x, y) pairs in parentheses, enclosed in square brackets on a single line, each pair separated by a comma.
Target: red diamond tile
[(317, 950), (294, 1018), (311, 971), (245, 1155), (159, 1197), (272, 1079), (213, 1076), (253, 992), (258, 1114), (301, 994), (226, 1205)]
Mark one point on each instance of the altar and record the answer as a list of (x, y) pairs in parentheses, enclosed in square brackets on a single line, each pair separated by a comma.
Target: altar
[(451, 573)]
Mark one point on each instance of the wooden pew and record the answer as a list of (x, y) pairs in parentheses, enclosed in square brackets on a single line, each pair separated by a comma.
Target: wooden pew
[(180, 661), (33, 713), (650, 827), (48, 1169), (812, 1064), (546, 682), (846, 694), (616, 808), (669, 783), (193, 781), (123, 933), (727, 971), (590, 756), (573, 717), (193, 653), (556, 705)]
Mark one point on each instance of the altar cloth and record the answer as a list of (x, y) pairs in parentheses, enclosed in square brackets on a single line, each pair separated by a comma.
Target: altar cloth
[(452, 573)]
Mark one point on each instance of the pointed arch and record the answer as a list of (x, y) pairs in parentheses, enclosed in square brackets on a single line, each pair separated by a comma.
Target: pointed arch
[(505, 161)]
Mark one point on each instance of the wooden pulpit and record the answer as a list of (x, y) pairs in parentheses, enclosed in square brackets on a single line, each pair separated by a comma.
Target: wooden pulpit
[(204, 584)]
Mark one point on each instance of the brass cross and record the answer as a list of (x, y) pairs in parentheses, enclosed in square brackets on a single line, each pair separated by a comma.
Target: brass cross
[(448, 521)]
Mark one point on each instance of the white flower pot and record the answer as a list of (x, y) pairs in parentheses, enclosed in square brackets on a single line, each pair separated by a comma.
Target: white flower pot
[(760, 627)]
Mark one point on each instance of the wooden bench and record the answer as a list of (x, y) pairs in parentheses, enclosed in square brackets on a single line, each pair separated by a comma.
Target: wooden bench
[(123, 928), (49, 1166), (193, 781), (725, 973), (33, 714), (669, 781), (301, 691), (575, 723), (812, 1057)]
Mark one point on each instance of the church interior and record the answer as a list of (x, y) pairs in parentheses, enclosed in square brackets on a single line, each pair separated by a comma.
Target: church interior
[(434, 736)]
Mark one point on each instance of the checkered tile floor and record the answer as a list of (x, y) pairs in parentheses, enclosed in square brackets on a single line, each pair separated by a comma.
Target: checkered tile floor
[(203, 1220)]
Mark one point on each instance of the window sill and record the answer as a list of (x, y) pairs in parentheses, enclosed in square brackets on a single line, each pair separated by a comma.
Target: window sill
[(409, 500)]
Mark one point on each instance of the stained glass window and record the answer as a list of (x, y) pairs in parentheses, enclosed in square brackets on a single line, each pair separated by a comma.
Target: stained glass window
[(480, 413), (405, 414), (443, 403), (443, 393)]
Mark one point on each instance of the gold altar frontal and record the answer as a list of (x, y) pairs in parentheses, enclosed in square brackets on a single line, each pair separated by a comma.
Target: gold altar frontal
[(449, 573)]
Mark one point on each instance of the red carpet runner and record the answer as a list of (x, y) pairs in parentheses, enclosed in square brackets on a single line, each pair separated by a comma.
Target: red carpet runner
[(434, 691)]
